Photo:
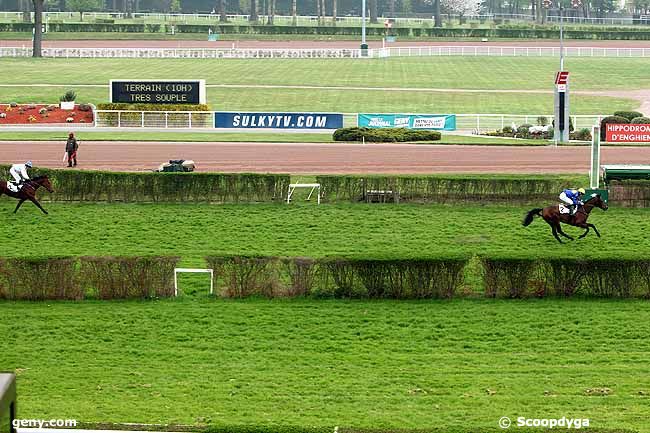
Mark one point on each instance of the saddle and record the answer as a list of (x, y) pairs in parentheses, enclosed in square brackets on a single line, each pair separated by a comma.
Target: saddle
[(11, 186), (564, 209)]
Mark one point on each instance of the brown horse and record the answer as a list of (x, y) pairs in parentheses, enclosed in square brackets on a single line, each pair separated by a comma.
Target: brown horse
[(28, 191), (553, 217)]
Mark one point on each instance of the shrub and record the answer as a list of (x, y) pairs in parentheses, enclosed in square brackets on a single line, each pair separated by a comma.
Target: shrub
[(542, 121), (85, 107), (69, 96), (38, 279), (629, 115), (385, 135), (129, 277), (641, 119), (583, 134), (13, 104), (507, 130), (523, 131), (42, 111), (610, 119), (100, 186)]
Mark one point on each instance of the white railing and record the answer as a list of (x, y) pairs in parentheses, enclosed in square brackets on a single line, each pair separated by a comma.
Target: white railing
[(154, 119), (324, 53), (194, 53), (492, 122), (205, 119)]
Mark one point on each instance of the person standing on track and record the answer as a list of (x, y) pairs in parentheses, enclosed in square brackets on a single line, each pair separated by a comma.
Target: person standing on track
[(71, 147)]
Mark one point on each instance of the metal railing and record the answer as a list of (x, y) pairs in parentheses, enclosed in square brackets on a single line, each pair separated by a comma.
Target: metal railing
[(324, 53), (312, 20), (492, 122), (205, 119)]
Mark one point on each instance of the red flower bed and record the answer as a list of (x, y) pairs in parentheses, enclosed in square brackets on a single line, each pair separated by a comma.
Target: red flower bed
[(31, 114)]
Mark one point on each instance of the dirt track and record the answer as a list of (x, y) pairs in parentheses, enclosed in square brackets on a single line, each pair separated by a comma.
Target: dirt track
[(325, 158)]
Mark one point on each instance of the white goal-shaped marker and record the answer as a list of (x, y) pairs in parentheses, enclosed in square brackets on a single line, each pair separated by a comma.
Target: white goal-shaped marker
[(313, 186), (193, 271)]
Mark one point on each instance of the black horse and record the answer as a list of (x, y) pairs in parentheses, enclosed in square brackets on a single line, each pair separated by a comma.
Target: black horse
[(28, 191)]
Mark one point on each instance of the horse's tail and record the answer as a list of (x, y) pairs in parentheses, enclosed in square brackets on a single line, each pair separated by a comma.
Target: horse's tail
[(530, 215)]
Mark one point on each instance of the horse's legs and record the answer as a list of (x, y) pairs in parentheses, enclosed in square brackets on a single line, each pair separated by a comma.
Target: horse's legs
[(33, 200), (559, 229), (554, 230), (586, 231), (593, 227), (20, 202)]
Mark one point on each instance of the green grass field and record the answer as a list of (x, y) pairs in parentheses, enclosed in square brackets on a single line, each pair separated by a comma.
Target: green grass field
[(305, 362), (407, 76), (182, 135), (194, 231)]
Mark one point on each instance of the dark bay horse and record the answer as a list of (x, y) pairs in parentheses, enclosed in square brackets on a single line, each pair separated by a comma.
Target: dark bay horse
[(553, 217), (28, 191)]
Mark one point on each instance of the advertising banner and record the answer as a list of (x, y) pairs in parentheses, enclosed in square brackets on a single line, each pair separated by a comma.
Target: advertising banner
[(157, 91), (445, 122), (627, 132), (278, 120)]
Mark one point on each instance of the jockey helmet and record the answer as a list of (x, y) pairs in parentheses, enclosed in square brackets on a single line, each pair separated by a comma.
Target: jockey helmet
[(28, 164), (581, 190)]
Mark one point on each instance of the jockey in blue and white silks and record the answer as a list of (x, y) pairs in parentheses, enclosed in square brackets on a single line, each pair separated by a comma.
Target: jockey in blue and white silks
[(573, 198)]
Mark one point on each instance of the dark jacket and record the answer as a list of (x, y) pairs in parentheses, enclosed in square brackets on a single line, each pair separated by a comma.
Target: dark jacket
[(71, 145)]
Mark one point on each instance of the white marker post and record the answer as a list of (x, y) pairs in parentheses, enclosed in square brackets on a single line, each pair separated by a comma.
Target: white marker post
[(594, 172)]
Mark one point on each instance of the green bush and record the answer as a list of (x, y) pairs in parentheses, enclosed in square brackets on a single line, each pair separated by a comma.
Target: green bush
[(629, 115), (101, 186), (583, 134), (641, 119), (523, 131), (384, 135), (129, 277), (610, 119), (69, 96), (443, 189), (38, 279)]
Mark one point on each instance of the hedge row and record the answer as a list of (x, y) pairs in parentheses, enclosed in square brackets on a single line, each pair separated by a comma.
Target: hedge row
[(242, 276), (101, 186), (523, 32), (601, 278), (87, 277), (444, 189), (429, 278), (384, 135), (629, 193)]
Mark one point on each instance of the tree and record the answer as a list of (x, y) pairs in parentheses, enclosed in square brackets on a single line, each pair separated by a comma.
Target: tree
[(318, 12), (82, 6), (25, 8), (253, 15), (270, 12), (38, 28), (373, 12), (294, 12), (437, 18), (461, 7), (222, 11), (334, 11), (642, 6), (391, 8)]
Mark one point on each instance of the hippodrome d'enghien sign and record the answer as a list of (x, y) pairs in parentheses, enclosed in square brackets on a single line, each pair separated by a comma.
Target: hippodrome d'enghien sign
[(157, 91)]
